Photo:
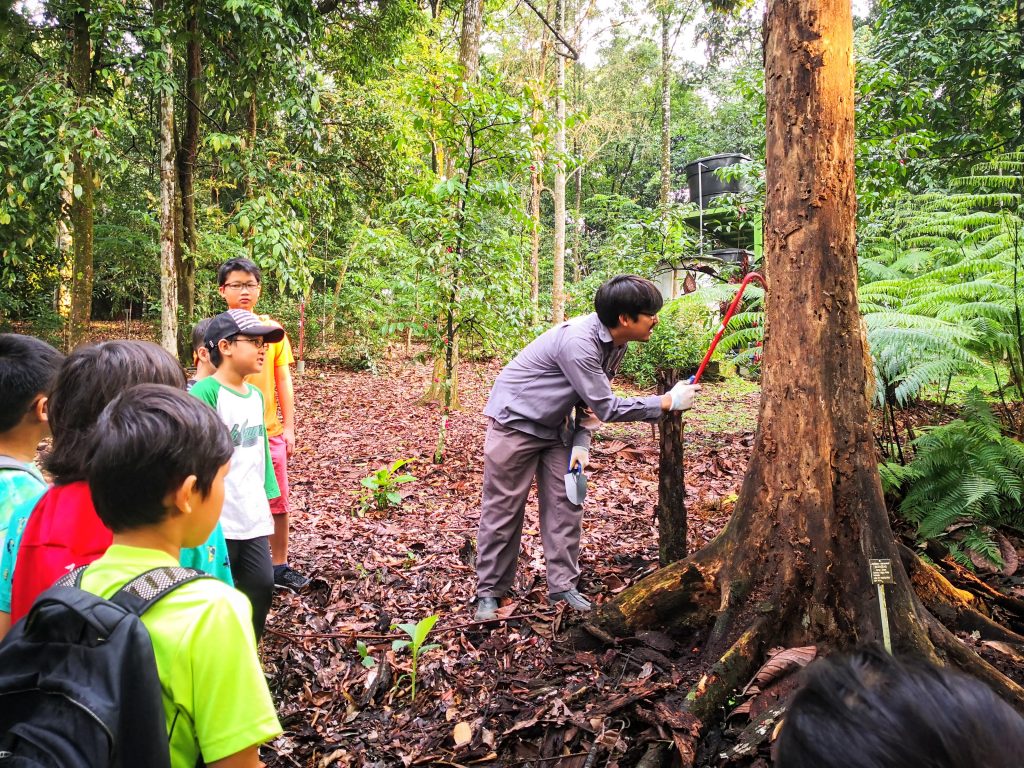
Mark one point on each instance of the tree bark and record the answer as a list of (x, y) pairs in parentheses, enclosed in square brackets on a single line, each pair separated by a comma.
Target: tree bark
[(672, 522), (188, 150), (168, 280), (666, 111), (82, 196), (558, 189)]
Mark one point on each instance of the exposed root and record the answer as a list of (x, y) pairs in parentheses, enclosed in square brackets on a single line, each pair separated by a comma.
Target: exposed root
[(682, 594), (955, 653), (952, 606), (977, 586), (706, 700)]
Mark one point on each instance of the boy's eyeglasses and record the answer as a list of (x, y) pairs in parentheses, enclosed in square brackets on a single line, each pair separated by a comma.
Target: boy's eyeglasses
[(239, 286), (258, 343)]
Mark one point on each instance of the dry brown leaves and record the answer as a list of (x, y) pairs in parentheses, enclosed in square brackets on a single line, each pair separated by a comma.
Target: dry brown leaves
[(511, 692)]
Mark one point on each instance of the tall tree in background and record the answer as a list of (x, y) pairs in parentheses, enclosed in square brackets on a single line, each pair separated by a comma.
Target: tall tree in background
[(82, 196), (168, 278), (666, 109), (810, 513), (558, 187)]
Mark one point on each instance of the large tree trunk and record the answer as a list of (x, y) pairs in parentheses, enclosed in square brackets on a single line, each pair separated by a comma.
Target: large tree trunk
[(558, 189), (82, 197), (666, 111), (168, 281), (791, 567)]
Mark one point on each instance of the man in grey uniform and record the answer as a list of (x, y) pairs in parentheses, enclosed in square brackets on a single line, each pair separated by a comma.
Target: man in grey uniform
[(543, 408)]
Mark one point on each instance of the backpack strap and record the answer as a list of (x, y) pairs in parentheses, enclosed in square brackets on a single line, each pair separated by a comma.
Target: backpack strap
[(71, 578), (144, 590)]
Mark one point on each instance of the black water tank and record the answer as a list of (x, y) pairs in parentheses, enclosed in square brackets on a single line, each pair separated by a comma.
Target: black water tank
[(705, 186)]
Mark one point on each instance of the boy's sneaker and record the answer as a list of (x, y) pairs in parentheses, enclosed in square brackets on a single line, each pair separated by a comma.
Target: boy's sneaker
[(288, 578)]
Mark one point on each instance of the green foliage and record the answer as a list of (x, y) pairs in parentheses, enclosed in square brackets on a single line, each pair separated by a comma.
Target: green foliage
[(365, 658), (417, 633), (382, 487), (679, 341), (941, 285), (966, 480)]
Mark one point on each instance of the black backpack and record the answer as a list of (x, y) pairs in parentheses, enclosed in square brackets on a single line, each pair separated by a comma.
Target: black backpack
[(78, 680)]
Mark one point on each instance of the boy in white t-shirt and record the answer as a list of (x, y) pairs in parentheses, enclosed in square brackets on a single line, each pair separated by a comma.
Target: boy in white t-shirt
[(235, 340)]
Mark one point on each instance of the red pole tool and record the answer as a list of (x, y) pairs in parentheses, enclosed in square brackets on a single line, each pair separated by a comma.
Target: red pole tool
[(751, 277)]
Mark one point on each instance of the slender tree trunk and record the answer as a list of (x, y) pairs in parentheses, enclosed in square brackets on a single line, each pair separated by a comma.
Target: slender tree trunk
[(558, 190), (168, 280), (536, 188), (444, 387), (666, 111), (186, 161), (82, 197), (672, 521)]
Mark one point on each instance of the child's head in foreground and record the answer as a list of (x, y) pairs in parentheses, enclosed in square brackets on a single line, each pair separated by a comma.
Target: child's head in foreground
[(92, 376), (159, 457), (28, 368), (869, 710)]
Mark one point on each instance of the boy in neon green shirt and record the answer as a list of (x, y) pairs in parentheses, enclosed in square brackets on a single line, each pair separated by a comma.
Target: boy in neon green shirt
[(157, 480)]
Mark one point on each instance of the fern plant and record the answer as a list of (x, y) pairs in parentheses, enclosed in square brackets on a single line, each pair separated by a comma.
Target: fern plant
[(965, 481)]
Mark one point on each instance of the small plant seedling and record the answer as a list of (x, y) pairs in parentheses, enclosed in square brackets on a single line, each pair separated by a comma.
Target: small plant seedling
[(364, 655), (382, 487), (417, 636)]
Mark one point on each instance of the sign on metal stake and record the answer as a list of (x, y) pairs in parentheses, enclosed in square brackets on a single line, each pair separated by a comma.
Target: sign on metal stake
[(881, 574)]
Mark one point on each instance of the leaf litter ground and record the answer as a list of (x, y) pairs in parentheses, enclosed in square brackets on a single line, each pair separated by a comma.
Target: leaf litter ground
[(508, 693)]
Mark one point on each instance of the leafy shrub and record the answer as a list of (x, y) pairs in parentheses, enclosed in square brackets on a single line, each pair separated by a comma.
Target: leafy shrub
[(680, 341), (966, 479)]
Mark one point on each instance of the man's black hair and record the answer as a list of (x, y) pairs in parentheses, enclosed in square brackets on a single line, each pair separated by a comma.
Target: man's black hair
[(626, 295), (199, 334), (869, 710), (28, 367), (216, 356), (238, 265), (92, 376), (147, 441)]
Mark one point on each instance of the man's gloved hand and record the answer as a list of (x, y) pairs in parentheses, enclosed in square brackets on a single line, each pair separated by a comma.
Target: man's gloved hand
[(682, 395), (580, 456)]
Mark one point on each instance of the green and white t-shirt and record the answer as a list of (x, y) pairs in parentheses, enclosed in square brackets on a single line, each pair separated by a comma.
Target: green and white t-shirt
[(215, 696), (250, 481)]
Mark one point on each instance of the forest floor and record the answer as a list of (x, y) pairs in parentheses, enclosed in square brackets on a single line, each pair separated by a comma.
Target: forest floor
[(508, 693), (517, 692)]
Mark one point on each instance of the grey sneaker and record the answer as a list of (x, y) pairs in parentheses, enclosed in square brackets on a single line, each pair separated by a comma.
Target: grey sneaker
[(486, 609), (573, 599)]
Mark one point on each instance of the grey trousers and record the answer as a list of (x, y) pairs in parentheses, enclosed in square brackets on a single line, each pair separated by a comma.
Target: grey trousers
[(511, 460)]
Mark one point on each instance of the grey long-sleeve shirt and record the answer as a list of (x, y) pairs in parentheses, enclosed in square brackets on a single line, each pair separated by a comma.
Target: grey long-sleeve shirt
[(568, 367)]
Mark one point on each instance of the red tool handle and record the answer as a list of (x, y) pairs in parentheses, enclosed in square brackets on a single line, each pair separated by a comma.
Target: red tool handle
[(752, 276)]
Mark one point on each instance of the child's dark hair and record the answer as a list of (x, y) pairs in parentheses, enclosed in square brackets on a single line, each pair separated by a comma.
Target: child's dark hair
[(238, 265), (869, 710), (216, 357), (626, 295), (28, 367), (91, 377), (199, 334), (147, 441)]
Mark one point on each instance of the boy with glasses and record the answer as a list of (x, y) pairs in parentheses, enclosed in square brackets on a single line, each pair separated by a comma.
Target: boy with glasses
[(239, 283), (236, 341)]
